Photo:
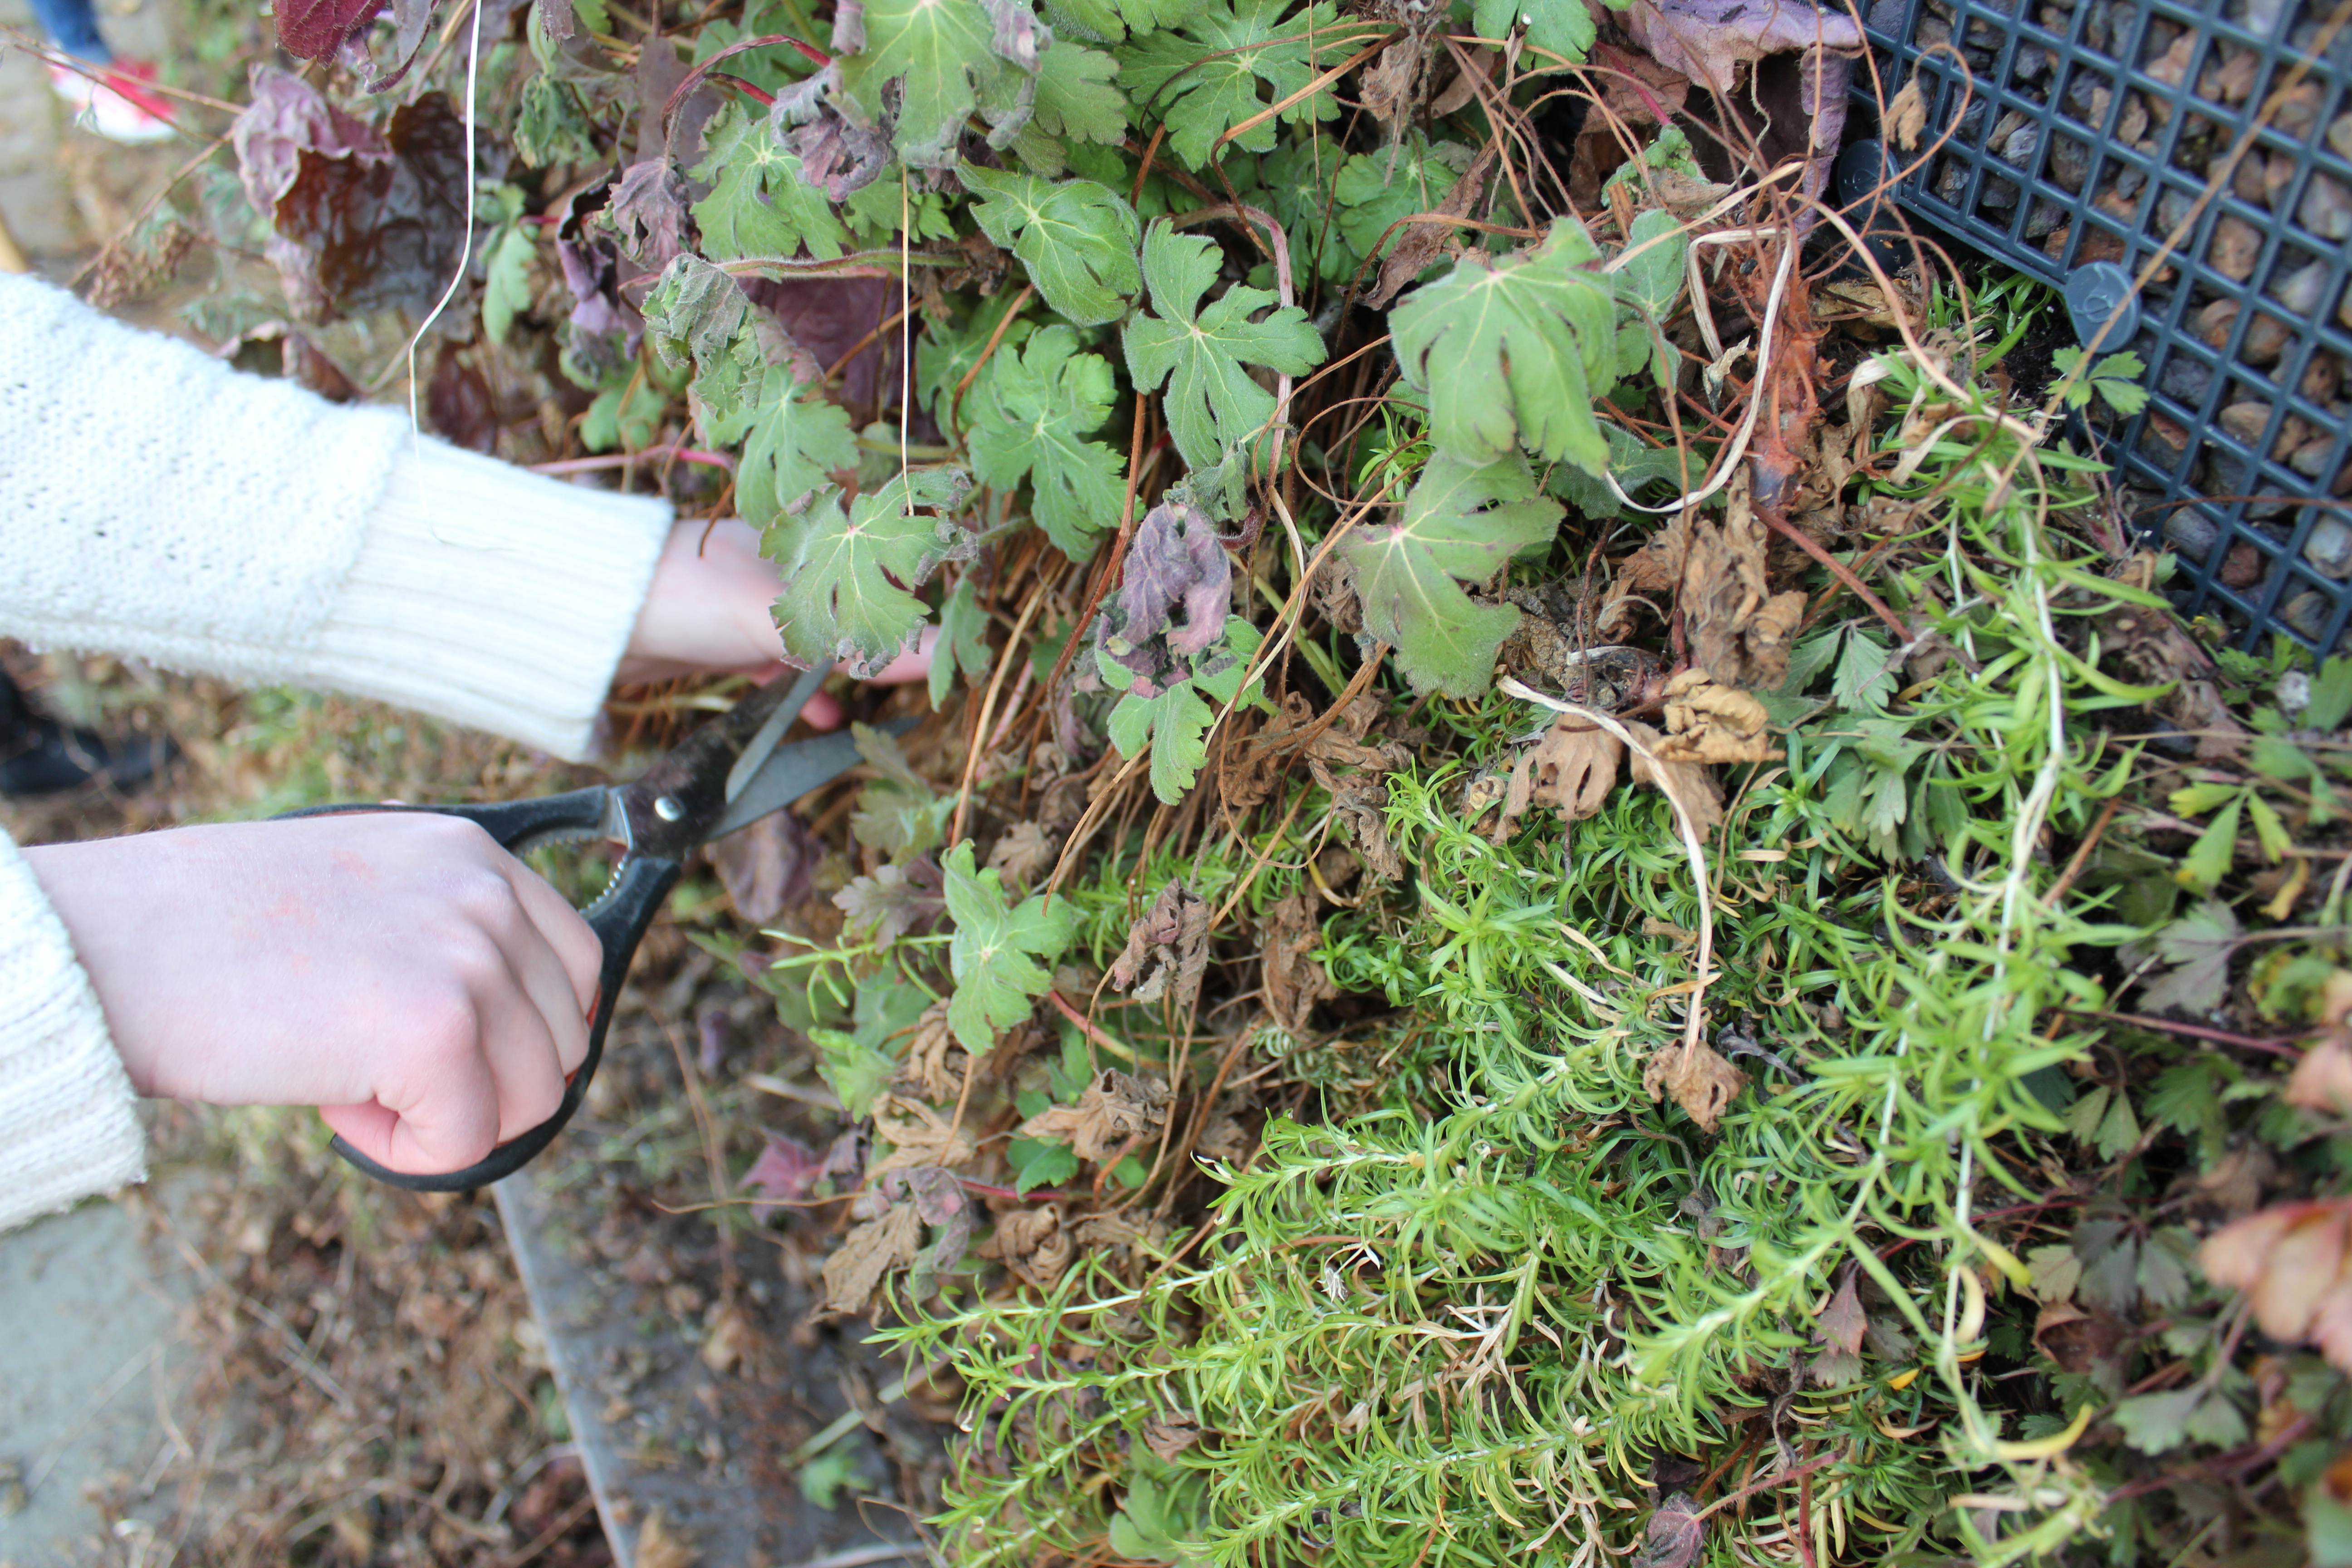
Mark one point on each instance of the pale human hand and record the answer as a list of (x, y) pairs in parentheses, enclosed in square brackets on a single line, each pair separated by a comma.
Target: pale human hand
[(709, 611), (422, 987)]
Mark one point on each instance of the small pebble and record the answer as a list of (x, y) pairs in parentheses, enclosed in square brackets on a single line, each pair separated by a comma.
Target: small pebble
[(2070, 164), (2185, 380), (2329, 548), (2243, 568), (2339, 135), (2307, 611), (2017, 149), (2310, 460), (2191, 532), (2246, 422), (2327, 209), (2294, 692), (2237, 246), (2323, 377)]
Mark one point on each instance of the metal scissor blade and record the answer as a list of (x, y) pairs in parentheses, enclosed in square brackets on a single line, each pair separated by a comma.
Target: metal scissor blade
[(791, 772), (764, 744)]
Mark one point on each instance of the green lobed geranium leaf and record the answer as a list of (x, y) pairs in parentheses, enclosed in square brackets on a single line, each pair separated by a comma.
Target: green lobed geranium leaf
[(759, 202), (938, 50), (1211, 400), (847, 574), (1077, 238), (1375, 189), (1510, 350), (996, 954), (1562, 28), (1076, 96), (1030, 412), (1460, 520), (1222, 62), (794, 442)]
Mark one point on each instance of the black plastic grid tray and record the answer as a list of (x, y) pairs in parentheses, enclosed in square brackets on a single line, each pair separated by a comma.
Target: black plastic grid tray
[(2083, 132)]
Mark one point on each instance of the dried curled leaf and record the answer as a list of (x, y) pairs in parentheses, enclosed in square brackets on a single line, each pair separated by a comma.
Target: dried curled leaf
[(1710, 723), (918, 1135), (1293, 978), (1033, 1244), (935, 1065), (1168, 947), (768, 867), (1573, 768), (865, 1255), (1114, 1109), (1702, 1082), (1688, 783), (1168, 1436), (2290, 1263)]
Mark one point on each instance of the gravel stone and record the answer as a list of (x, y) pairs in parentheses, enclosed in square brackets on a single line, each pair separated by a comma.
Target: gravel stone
[(2327, 209), (2237, 244), (2307, 611), (2191, 532)]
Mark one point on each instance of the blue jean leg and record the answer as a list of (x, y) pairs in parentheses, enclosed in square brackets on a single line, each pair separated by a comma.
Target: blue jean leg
[(72, 26)]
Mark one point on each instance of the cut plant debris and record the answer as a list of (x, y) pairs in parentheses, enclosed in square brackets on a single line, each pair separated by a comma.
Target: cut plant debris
[(1564, 893)]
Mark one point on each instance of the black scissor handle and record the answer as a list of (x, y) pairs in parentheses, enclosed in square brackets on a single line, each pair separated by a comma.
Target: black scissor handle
[(620, 920)]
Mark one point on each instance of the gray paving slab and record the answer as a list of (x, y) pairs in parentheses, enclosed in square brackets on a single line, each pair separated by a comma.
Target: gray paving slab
[(90, 1356)]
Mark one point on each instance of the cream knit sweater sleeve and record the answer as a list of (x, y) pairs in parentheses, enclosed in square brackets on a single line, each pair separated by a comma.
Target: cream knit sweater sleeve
[(156, 503)]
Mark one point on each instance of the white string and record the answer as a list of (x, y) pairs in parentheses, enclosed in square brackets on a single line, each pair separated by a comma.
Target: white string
[(464, 252)]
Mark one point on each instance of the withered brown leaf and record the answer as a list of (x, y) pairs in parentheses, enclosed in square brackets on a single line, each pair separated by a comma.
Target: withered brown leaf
[(1294, 979), (1688, 783), (1020, 854), (1114, 1109), (1031, 1243), (1906, 116), (2290, 1263), (918, 1136), (934, 1064), (1168, 1436), (1571, 768), (1706, 722), (1166, 949), (1702, 1082), (1738, 628), (866, 1253)]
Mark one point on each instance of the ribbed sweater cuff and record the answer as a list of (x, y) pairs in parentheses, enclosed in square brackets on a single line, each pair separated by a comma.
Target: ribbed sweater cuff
[(68, 1126), (492, 596)]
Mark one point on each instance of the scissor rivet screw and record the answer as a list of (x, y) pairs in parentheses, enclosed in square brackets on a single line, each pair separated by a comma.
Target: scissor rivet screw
[(667, 809)]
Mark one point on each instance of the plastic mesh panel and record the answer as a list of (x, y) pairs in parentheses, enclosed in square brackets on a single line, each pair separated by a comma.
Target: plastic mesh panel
[(2086, 131)]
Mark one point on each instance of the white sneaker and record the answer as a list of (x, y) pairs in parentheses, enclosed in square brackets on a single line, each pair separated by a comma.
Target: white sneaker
[(118, 108)]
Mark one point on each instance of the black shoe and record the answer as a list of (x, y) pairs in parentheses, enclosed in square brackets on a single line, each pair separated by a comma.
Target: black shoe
[(43, 757)]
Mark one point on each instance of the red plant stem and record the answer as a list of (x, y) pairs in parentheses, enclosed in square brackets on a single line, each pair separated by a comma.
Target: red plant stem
[(1838, 569), (760, 95), (2278, 1047)]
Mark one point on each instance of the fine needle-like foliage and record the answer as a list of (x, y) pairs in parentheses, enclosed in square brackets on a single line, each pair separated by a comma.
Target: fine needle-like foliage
[(1561, 892)]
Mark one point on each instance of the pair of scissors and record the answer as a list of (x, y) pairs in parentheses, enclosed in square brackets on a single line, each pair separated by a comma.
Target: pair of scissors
[(727, 775)]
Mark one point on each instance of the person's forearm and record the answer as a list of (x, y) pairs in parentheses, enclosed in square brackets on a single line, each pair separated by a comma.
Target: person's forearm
[(158, 504)]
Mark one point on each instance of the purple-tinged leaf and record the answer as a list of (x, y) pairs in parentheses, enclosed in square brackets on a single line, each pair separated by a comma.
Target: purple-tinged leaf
[(896, 900), (314, 29), (1173, 597), (785, 1171), (648, 213), (1676, 1533)]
